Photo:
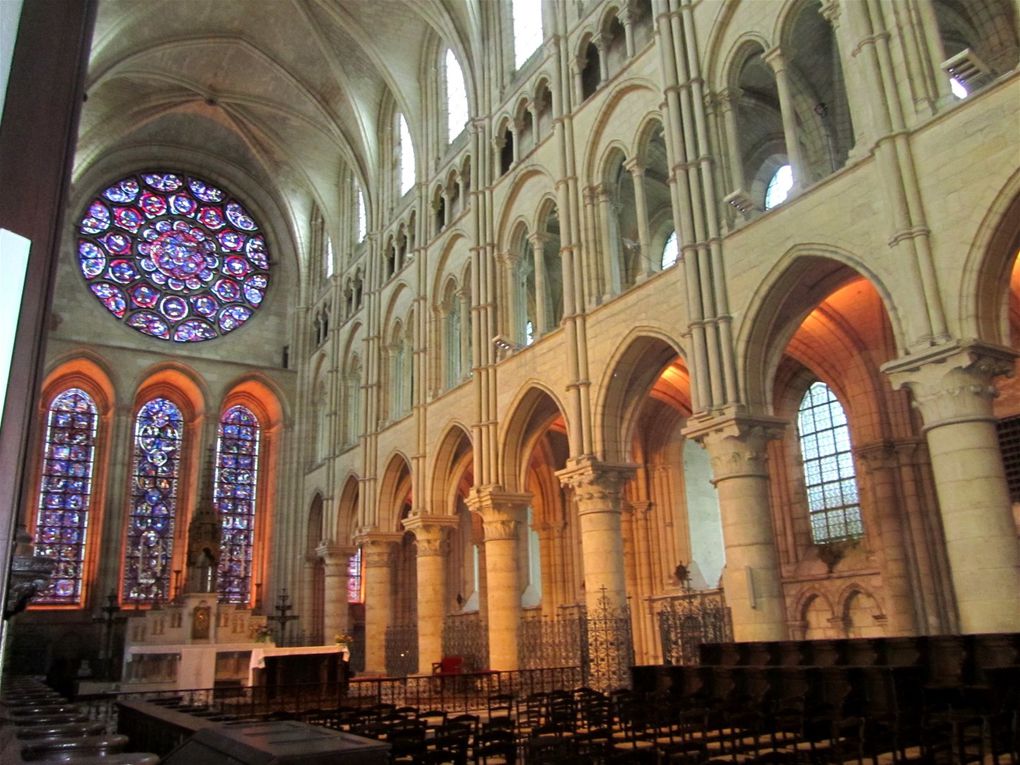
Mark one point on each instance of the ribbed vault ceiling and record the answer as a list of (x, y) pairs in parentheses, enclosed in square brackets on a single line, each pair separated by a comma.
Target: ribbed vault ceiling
[(288, 90)]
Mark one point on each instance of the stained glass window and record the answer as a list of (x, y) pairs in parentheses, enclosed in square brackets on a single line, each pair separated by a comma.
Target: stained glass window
[(237, 457), (159, 431), (354, 594), (829, 474), (173, 257), (64, 492)]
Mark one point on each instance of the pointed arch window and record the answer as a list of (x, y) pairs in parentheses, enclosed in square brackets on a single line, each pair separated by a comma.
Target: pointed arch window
[(355, 594), (330, 258), (237, 457), (456, 98), (149, 546), (406, 155), (65, 491), (670, 252), (829, 474), (361, 215), (528, 34), (779, 187)]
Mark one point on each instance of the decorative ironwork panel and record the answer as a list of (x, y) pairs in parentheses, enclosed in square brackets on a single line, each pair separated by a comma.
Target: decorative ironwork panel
[(64, 493), (687, 621), (402, 650), (552, 641), (159, 430), (466, 635), (236, 480), (608, 646)]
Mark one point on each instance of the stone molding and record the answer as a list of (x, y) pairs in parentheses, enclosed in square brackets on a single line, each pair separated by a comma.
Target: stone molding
[(736, 444), (597, 486), (377, 547), (430, 532)]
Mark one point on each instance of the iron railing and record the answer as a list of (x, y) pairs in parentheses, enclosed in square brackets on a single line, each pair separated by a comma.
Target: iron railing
[(465, 635), (401, 649), (688, 620)]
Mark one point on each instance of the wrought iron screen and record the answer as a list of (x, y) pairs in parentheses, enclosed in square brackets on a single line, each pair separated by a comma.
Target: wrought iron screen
[(402, 650), (686, 621), (465, 635)]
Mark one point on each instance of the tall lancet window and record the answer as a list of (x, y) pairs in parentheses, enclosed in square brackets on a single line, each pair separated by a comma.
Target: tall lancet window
[(829, 474), (64, 493), (528, 34), (407, 172), (237, 457), (149, 546), (456, 98)]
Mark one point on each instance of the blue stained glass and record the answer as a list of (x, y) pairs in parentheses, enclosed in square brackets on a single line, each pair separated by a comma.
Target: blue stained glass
[(63, 505), (204, 191), (159, 429), (171, 244), (235, 502), (122, 192)]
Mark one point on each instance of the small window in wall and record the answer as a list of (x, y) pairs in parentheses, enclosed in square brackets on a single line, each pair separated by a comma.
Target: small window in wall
[(456, 98), (958, 88), (829, 474), (64, 493), (362, 218), (355, 593), (1009, 445), (529, 332), (779, 187), (527, 29), (670, 251), (407, 175)]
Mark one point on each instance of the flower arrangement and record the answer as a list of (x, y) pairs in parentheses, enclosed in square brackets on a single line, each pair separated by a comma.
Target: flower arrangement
[(260, 633), (342, 638)]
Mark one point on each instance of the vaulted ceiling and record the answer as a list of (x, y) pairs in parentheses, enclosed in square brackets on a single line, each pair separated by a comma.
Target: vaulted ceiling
[(287, 91)]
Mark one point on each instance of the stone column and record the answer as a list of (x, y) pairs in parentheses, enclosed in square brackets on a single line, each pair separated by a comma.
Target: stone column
[(538, 241), (774, 58), (751, 579), (377, 554), (502, 513), (728, 102), (610, 264), (336, 560), (880, 465), (598, 490), (952, 388), (637, 173), (431, 532)]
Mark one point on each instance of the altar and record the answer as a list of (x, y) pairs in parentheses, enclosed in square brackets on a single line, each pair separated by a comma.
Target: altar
[(278, 670)]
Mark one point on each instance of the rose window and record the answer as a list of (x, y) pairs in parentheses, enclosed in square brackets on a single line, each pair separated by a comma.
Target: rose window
[(173, 257)]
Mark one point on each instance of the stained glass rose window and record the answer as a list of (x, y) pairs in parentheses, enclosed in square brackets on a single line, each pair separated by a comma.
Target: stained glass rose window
[(173, 256)]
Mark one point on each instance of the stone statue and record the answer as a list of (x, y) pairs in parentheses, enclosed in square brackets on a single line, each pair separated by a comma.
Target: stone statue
[(204, 538)]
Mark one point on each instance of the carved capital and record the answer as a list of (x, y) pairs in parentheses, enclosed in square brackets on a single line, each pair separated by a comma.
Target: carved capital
[(430, 532), (597, 487), (334, 555), (877, 456), (377, 548), (502, 511), (774, 58), (736, 444), (952, 383)]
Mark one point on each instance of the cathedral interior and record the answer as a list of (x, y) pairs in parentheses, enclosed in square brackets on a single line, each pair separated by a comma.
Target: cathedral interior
[(470, 318)]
